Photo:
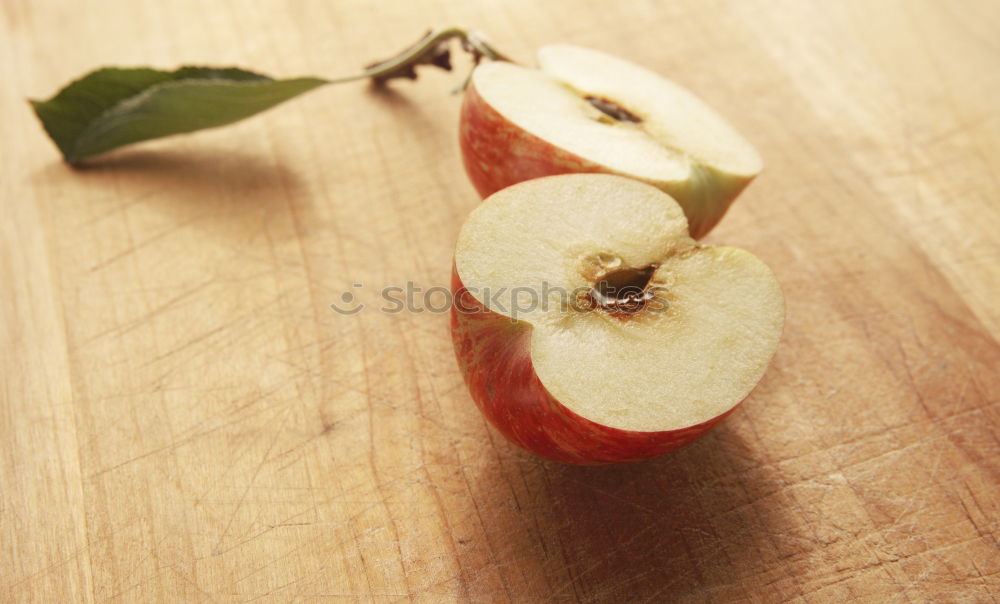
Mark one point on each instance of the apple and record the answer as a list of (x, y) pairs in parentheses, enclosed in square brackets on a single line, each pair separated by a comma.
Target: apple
[(591, 328), (586, 111)]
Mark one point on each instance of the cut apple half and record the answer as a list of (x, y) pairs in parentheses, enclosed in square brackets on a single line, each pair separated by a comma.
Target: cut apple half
[(586, 111), (592, 329)]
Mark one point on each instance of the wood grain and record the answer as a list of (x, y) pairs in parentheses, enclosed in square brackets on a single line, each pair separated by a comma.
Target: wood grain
[(184, 418)]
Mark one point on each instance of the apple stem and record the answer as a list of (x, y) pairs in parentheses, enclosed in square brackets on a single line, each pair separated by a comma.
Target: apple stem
[(431, 49)]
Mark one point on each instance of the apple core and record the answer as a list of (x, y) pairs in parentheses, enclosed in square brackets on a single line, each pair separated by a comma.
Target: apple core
[(624, 292)]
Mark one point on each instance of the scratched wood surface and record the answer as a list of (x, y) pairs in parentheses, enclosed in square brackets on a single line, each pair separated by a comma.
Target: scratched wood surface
[(184, 418)]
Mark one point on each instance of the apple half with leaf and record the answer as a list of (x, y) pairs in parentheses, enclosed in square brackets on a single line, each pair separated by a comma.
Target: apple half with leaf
[(592, 329), (586, 111)]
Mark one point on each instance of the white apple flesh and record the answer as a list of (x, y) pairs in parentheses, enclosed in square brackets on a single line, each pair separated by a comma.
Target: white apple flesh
[(592, 377), (586, 111)]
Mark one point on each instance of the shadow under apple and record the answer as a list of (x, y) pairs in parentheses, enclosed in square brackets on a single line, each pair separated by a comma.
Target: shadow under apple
[(682, 527)]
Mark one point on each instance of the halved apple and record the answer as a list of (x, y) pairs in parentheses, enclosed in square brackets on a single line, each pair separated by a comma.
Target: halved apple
[(586, 111), (592, 329)]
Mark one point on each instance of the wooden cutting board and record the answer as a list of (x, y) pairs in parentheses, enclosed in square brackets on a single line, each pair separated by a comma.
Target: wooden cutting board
[(184, 418)]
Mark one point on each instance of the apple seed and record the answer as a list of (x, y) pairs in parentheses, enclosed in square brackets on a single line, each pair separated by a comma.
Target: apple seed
[(612, 109)]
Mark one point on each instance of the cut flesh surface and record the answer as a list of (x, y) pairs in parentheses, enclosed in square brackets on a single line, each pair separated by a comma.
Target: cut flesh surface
[(678, 138), (690, 357)]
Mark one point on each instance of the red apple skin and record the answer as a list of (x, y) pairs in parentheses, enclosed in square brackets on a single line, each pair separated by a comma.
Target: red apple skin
[(498, 153), (493, 354)]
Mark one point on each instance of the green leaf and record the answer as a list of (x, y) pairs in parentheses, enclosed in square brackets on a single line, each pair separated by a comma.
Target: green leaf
[(111, 107)]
